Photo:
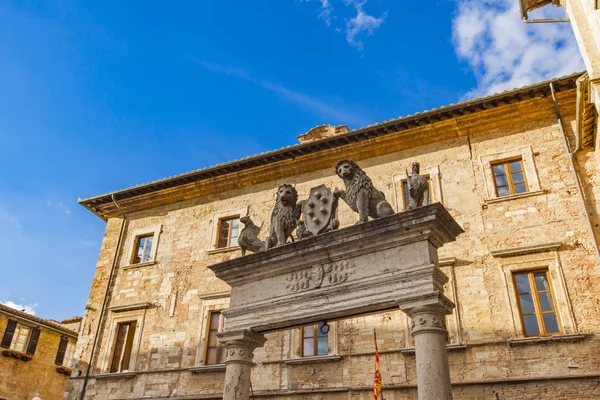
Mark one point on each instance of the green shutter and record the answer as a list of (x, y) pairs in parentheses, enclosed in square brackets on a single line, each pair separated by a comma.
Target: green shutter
[(8, 333), (62, 348), (35, 335)]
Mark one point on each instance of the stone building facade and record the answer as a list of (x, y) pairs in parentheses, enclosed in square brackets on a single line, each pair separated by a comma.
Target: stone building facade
[(36, 355), (523, 276)]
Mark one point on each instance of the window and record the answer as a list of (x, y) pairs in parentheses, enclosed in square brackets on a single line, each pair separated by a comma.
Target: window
[(215, 353), (143, 249), (20, 337), (406, 194), (229, 230), (122, 347), (66, 349), (314, 342), (509, 177), (536, 303)]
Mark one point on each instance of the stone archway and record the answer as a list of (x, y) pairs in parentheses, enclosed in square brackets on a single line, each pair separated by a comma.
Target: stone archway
[(363, 269)]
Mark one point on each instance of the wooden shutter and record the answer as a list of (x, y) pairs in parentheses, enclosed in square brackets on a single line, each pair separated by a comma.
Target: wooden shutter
[(62, 348), (8, 333), (35, 335)]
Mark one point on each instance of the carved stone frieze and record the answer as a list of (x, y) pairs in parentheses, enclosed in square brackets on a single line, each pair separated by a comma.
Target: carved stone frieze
[(319, 275)]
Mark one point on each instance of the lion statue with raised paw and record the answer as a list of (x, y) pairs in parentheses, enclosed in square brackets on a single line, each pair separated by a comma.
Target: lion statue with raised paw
[(284, 217), (360, 194)]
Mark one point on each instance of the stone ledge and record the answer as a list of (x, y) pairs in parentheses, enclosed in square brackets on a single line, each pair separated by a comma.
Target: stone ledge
[(139, 265), (223, 250), (130, 307), (115, 375), (546, 339), (449, 347), (521, 251), (447, 261), (207, 368), (314, 359), (214, 295), (513, 197)]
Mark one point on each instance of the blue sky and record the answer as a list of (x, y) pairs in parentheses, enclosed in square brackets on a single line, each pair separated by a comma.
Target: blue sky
[(99, 96)]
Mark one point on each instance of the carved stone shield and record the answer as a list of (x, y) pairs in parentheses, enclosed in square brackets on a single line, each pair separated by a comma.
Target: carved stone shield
[(319, 209)]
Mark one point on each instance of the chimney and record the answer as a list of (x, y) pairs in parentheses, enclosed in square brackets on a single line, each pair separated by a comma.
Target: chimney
[(322, 132)]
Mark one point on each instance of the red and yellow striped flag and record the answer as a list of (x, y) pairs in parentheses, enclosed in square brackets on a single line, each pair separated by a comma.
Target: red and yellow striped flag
[(377, 378)]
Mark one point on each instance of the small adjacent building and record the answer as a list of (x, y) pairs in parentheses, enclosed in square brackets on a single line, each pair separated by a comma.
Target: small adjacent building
[(36, 355)]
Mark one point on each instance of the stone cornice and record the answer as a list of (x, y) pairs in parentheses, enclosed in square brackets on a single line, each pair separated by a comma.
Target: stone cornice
[(520, 251), (130, 307), (445, 123)]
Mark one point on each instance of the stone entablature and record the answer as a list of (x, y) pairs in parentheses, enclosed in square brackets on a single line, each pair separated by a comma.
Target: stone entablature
[(378, 266)]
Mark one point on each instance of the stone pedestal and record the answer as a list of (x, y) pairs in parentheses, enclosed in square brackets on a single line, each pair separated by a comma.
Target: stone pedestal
[(429, 334), (239, 347)]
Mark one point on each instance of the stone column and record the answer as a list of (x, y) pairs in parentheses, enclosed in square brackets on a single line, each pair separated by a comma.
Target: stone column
[(239, 347), (429, 334)]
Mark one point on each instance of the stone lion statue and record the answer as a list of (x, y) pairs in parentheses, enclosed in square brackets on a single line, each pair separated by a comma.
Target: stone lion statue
[(284, 217), (360, 194)]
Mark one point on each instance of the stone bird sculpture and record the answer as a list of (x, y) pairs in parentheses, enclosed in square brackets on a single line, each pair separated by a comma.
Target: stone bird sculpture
[(418, 188), (248, 239)]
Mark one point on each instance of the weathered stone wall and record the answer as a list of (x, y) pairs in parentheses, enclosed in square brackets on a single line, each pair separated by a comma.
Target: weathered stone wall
[(483, 359), (23, 379)]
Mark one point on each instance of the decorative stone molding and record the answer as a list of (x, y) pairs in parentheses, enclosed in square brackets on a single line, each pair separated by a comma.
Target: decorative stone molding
[(115, 375), (130, 307), (512, 197), (207, 368), (519, 251), (545, 339), (312, 360)]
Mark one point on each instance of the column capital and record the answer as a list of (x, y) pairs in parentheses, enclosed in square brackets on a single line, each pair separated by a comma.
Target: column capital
[(430, 318), (240, 345)]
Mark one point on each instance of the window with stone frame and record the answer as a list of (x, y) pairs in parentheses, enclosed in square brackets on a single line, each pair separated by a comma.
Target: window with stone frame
[(21, 338), (229, 230), (66, 350), (536, 302), (509, 177), (215, 352), (122, 346), (406, 193), (142, 251), (314, 342)]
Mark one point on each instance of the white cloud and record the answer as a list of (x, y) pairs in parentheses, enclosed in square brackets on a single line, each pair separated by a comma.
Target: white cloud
[(29, 309), (362, 22), (504, 52), (325, 11), (318, 106)]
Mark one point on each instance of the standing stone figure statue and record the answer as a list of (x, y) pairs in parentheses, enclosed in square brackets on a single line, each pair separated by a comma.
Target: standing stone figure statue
[(248, 239), (360, 194), (418, 188), (284, 217)]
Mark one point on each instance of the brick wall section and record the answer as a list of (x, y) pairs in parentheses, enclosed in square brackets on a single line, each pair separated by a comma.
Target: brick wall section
[(169, 344)]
